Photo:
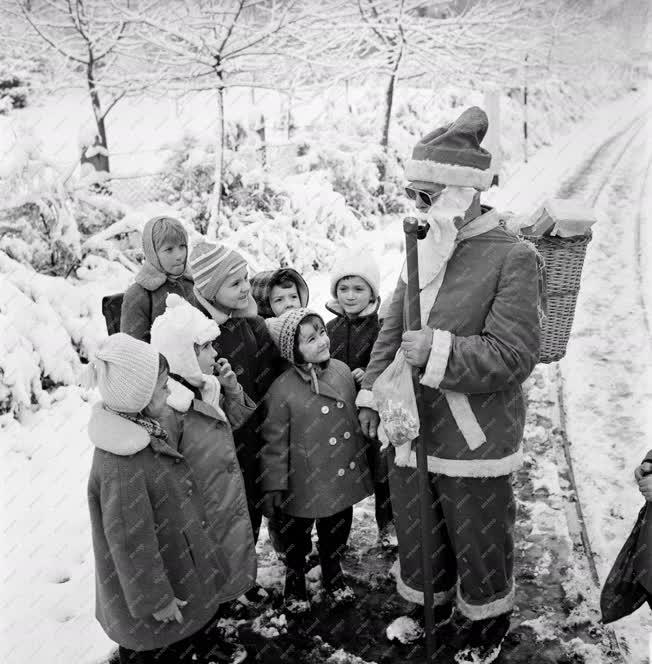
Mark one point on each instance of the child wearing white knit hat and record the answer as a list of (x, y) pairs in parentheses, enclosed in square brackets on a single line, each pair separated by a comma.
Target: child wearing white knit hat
[(157, 507), (355, 285)]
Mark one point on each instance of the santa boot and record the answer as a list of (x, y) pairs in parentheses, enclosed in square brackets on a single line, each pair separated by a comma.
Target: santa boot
[(484, 641), (411, 627)]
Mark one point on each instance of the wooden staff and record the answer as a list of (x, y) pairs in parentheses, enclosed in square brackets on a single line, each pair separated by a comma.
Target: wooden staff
[(414, 233)]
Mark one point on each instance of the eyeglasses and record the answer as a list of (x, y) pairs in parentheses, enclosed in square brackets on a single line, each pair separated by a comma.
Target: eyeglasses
[(425, 197)]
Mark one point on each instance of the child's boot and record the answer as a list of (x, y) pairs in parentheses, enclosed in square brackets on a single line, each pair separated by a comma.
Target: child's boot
[(295, 594), (485, 639), (335, 586)]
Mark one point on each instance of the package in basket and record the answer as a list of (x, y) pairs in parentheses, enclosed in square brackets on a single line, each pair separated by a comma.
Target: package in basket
[(562, 218)]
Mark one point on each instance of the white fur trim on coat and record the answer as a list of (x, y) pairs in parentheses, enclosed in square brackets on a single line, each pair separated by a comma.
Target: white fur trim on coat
[(465, 419), (449, 174), (472, 467), (180, 397), (438, 358), (366, 399), (491, 609), (416, 596)]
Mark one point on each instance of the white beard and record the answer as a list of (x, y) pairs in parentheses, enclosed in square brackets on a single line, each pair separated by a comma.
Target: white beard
[(437, 247)]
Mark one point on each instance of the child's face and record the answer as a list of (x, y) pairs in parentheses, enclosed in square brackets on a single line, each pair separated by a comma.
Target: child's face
[(206, 355), (353, 294), (157, 405), (172, 256), (283, 299), (314, 344), (234, 292)]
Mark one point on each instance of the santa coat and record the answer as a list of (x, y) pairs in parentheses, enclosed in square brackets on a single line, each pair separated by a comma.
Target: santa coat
[(485, 344), (165, 527), (314, 449)]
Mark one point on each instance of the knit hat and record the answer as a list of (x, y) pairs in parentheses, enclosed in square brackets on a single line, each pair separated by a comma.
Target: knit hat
[(357, 263), (148, 239), (263, 282), (175, 332), (452, 155), (125, 370), (211, 265), (284, 328)]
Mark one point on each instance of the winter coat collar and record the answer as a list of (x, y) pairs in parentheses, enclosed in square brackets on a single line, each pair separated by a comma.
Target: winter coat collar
[(219, 316), (152, 279), (184, 395), (316, 378), (112, 433), (336, 308)]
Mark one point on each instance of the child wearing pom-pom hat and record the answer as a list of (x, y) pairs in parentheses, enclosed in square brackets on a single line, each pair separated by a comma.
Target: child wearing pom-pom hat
[(156, 525)]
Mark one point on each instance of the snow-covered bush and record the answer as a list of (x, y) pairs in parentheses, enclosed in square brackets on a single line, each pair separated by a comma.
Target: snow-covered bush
[(48, 325), (188, 177)]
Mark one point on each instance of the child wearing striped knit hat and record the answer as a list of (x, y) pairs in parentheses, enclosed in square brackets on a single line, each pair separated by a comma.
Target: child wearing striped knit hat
[(223, 293)]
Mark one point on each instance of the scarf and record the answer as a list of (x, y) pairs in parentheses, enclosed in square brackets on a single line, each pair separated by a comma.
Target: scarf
[(152, 427)]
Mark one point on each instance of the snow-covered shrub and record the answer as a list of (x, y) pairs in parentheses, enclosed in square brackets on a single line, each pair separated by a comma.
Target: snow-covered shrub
[(367, 177), (48, 325), (188, 178)]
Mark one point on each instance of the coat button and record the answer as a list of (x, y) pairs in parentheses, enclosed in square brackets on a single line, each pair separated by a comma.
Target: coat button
[(325, 409), (347, 435), (190, 492), (203, 524), (340, 472), (340, 404), (352, 465), (332, 441)]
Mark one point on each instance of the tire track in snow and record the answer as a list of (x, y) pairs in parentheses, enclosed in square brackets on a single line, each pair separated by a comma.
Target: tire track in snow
[(608, 161)]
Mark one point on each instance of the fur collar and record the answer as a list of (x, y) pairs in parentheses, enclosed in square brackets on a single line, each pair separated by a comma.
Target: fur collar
[(112, 433), (336, 308), (152, 279), (219, 316)]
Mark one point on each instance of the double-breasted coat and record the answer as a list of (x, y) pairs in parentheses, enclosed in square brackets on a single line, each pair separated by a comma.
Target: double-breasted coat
[(313, 448)]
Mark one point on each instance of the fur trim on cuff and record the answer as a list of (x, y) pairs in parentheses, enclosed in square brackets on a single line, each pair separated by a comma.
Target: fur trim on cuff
[(472, 467), (438, 358), (448, 174), (416, 596), (489, 610), (366, 400)]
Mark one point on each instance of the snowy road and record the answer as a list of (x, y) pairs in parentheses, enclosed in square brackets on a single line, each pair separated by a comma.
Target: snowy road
[(607, 374)]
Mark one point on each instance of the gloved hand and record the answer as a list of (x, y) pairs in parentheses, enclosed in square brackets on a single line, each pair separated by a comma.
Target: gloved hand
[(272, 501)]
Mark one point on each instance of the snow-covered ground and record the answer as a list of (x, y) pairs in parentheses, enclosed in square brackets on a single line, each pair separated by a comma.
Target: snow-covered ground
[(47, 608)]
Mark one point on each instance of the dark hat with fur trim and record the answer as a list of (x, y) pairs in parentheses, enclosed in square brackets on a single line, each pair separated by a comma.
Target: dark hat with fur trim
[(452, 155)]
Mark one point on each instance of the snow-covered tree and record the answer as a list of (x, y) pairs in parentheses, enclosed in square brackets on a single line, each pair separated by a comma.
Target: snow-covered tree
[(218, 44), (85, 35)]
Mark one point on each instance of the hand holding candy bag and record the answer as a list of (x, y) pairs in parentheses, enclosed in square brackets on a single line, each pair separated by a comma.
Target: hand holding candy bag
[(397, 407)]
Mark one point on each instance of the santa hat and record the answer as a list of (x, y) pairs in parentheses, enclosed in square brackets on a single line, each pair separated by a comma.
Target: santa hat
[(175, 332), (283, 330), (211, 265), (356, 263), (125, 371), (452, 155)]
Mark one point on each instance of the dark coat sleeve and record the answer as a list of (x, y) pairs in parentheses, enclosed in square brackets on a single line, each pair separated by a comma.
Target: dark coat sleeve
[(507, 350), (135, 316), (268, 359), (389, 338), (275, 452), (128, 523)]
